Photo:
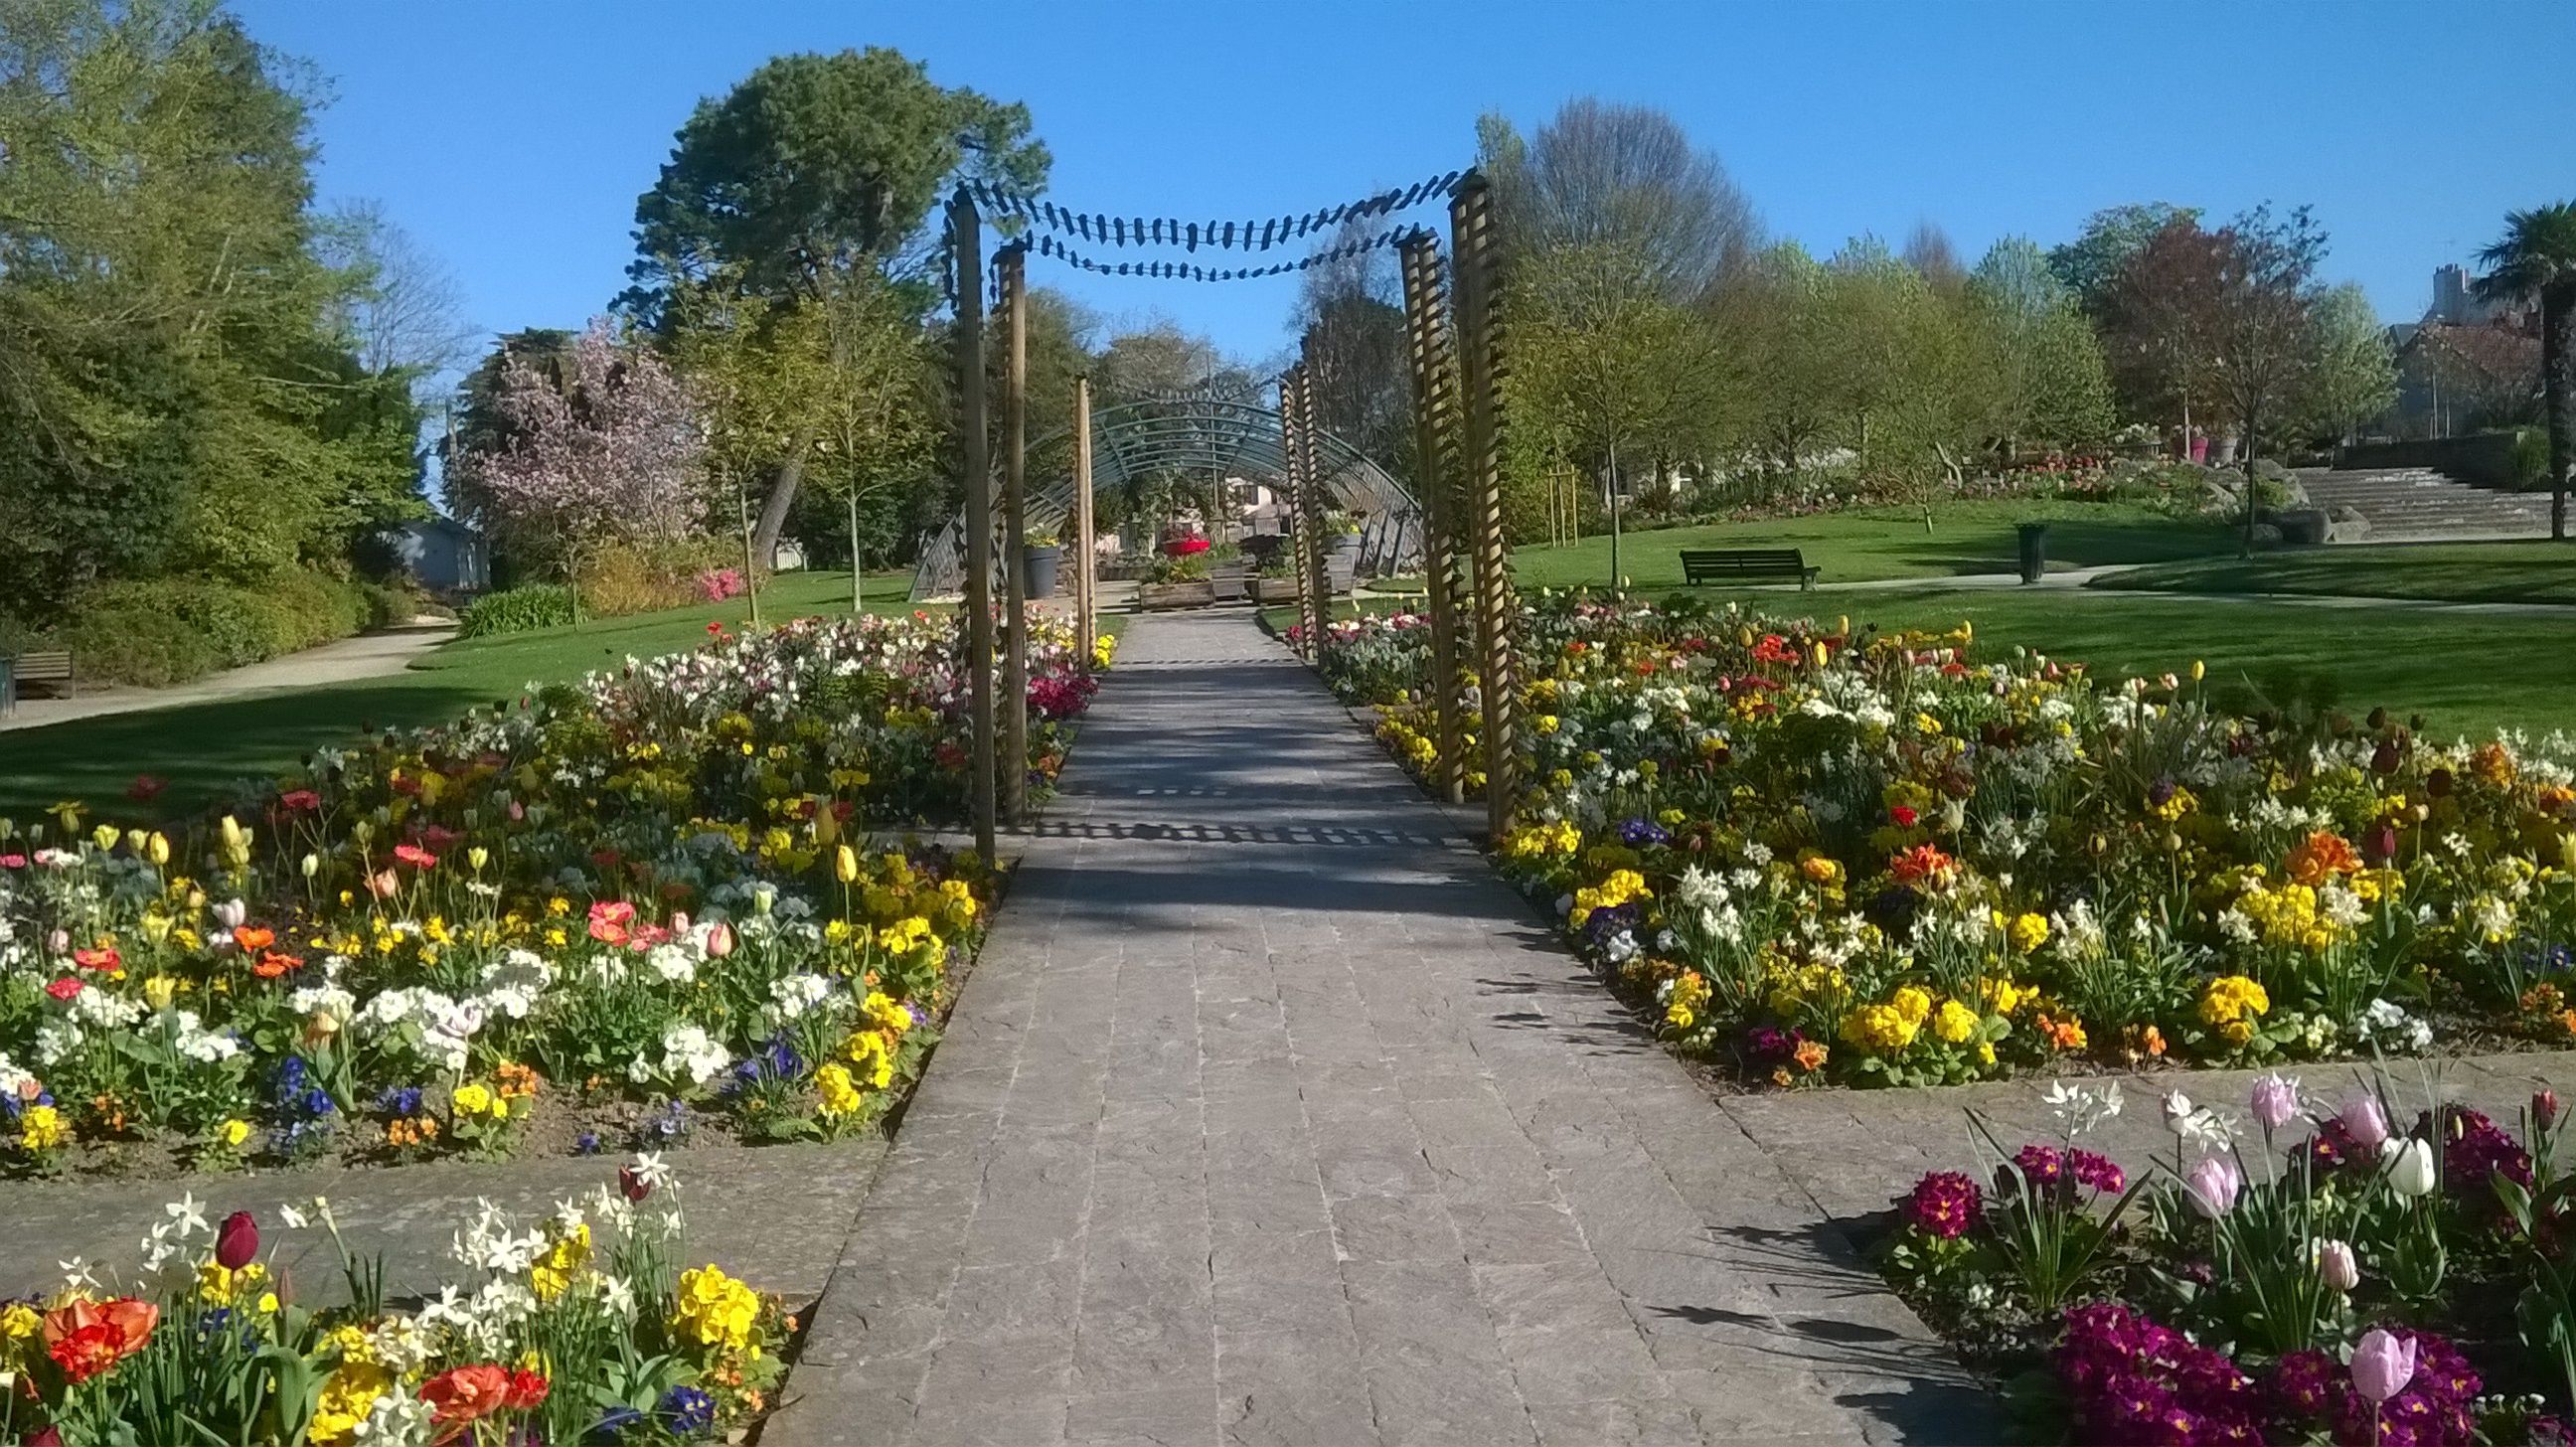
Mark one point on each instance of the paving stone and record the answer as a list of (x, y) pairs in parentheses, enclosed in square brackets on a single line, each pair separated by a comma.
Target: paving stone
[(1269, 1117)]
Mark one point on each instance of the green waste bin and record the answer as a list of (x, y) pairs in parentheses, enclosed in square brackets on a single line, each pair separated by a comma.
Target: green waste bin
[(8, 684), (2034, 551)]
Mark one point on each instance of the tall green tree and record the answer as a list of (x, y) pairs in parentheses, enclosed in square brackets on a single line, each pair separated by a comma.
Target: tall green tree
[(2091, 264), (811, 171), (2354, 376), (2050, 380), (2536, 260)]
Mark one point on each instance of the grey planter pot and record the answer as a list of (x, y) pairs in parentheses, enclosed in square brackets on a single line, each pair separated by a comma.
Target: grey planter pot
[(1038, 569)]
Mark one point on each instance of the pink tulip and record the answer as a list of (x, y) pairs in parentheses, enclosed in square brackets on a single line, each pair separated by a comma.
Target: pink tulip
[(2382, 1366), (231, 913), (2276, 1101), (719, 940), (2336, 1265), (2212, 1185), (2365, 1121)]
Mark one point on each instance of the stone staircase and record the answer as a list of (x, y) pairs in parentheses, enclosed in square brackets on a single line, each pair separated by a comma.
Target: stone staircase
[(2401, 504)]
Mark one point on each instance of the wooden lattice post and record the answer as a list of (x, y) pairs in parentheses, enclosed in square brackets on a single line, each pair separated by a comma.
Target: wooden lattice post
[(1471, 227), (1433, 420), (966, 230), (1300, 537), (1310, 511), (1086, 583), (1013, 774)]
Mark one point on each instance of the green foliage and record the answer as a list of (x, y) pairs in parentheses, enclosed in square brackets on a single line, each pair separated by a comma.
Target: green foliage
[(154, 632), (517, 610), (181, 394)]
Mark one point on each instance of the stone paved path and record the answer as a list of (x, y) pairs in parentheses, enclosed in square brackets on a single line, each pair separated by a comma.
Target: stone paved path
[(1270, 1117)]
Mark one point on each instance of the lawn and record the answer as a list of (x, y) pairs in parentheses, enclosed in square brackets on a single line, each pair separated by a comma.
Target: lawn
[(203, 748), (2464, 673), (2500, 572), (1869, 544)]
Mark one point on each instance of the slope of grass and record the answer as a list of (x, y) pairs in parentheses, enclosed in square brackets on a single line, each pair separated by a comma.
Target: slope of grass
[(202, 749), (2498, 572), (1868, 544)]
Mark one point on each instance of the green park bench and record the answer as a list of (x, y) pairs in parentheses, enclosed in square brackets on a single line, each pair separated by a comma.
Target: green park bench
[(53, 669), (1746, 565)]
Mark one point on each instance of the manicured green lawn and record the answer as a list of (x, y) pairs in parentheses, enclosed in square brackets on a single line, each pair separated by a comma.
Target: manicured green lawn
[(1869, 544), (2502, 572), (203, 748)]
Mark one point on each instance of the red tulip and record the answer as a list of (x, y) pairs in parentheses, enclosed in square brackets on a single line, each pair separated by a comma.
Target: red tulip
[(633, 1184), (236, 1241), (2544, 1108)]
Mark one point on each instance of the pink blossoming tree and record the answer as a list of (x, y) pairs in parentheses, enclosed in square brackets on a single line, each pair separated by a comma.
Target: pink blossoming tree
[(610, 453)]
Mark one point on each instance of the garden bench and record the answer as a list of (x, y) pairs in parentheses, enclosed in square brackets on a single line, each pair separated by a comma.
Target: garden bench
[(54, 669), (1745, 565)]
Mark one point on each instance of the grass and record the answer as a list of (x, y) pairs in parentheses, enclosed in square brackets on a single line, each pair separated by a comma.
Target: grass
[(2499, 572), (1873, 544), (202, 749)]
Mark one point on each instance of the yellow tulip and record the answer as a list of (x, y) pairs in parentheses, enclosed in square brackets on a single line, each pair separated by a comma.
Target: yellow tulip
[(157, 849), (845, 864)]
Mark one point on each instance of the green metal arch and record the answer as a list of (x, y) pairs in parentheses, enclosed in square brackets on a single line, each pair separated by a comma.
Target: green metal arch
[(1136, 439)]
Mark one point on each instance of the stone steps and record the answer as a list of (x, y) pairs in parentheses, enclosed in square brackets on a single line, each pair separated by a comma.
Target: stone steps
[(2417, 503)]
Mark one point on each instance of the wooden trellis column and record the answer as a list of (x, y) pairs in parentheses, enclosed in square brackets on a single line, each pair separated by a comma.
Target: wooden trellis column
[(1086, 584), (966, 230), (1310, 508), (1013, 774), (1471, 230), (1433, 420), (1292, 424)]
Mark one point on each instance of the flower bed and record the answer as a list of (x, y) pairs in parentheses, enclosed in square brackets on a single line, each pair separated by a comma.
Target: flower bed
[(1838, 856), (581, 1327), (2304, 1272), (632, 907)]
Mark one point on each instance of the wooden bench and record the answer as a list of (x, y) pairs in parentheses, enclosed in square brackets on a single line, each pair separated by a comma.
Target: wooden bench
[(1746, 565), (52, 669)]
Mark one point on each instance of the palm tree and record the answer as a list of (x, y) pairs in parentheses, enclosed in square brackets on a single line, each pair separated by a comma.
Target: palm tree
[(2537, 258)]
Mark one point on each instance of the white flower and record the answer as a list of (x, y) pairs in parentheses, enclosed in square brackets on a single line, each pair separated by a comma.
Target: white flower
[(2079, 1108), (189, 1216)]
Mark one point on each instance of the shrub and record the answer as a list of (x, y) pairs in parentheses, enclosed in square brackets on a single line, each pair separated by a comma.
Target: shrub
[(2530, 458), (516, 610), (122, 639), (648, 577)]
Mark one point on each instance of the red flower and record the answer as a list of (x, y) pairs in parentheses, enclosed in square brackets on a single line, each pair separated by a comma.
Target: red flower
[(300, 801), (145, 788), (13, 861), (252, 937), (102, 959), (65, 989), (527, 1391), (88, 1351), (415, 856), (275, 963), (633, 1184), (715, 629), (609, 920), (1904, 816), (236, 1241), (467, 1394), (85, 1338)]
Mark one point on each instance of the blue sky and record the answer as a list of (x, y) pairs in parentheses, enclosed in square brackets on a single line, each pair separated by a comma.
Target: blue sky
[(512, 138)]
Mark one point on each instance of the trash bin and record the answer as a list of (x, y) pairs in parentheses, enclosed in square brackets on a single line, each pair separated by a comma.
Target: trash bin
[(2034, 551), (8, 685)]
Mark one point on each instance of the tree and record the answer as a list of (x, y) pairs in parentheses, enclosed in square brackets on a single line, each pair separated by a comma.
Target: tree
[(2536, 259), (2162, 321), (2091, 264), (1351, 311), (2354, 375), (610, 452), (406, 313), (1778, 323), (1626, 177), (814, 168), (2263, 342), (1929, 252), (2050, 379), (177, 390)]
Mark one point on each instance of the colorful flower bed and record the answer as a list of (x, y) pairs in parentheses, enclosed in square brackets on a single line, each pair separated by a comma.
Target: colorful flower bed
[(1839, 856), (630, 907), (581, 1327), (2303, 1272)]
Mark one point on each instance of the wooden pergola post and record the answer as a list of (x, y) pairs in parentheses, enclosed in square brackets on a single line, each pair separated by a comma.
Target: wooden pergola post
[(1086, 585), (966, 231), (1310, 509), (1471, 229), (1013, 775), (1300, 536), (1432, 424)]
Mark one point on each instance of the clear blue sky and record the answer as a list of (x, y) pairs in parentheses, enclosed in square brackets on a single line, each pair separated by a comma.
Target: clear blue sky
[(512, 138)]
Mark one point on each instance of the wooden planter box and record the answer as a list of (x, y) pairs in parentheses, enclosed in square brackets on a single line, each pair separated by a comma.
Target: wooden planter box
[(1275, 590), (1175, 595)]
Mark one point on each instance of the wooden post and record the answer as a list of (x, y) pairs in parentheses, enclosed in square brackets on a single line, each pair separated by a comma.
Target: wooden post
[(1300, 537), (1471, 227), (1432, 446), (1013, 775), (967, 232), (1086, 587), (1310, 512)]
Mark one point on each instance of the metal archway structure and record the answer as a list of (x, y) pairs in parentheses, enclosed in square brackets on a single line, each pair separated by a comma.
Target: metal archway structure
[(1232, 437)]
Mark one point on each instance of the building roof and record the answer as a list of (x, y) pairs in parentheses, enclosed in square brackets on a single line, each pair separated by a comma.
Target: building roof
[(2503, 354)]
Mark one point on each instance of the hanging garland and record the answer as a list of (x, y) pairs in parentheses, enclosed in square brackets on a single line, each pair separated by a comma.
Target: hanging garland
[(1191, 271), (1191, 235)]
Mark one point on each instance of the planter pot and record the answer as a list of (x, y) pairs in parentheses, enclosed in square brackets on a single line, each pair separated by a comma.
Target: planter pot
[(1175, 595), (1230, 581), (1345, 543), (1038, 570), (1275, 590)]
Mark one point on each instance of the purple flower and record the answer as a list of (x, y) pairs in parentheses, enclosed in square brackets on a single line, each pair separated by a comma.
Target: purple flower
[(1944, 1204), (1641, 833)]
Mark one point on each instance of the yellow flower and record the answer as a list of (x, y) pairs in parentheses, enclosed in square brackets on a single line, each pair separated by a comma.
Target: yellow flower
[(42, 1128), (716, 1310), (1954, 1022), (2029, 932), (839, 1094), (236, 1131), (474, 1098), (2232, 1000), (19, 1321)]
